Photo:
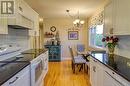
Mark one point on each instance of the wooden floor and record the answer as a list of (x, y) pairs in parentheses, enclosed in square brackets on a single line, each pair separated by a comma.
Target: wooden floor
[(60, 74)]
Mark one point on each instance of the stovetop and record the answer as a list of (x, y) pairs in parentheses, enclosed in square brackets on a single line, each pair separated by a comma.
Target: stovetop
[(26, 56), (11, 66)]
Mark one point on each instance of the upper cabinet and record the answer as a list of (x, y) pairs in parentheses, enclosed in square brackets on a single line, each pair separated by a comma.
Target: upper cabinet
[(108, 18), (116, 18)]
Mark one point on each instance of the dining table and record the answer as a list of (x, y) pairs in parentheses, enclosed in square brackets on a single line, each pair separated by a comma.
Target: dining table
[(85, 56)]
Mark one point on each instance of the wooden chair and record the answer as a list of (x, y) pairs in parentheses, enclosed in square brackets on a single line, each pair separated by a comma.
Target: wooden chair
[(85, 54), (76, 60)]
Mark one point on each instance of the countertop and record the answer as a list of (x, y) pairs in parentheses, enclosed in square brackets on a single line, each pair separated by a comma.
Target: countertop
[(11, 66), (8, 70), (119, 64)]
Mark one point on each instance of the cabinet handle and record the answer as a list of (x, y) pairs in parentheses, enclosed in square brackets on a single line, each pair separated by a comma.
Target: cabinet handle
[(114, 78), (13, 80), (94, 68), (21, 9), (111, 30), (94, 60)]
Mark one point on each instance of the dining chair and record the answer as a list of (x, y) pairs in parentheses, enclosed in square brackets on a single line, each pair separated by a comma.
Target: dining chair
[(85, 54), (80, 47), (77, 60)]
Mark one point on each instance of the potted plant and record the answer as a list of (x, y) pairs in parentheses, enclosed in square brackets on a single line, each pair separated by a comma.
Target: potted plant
[(111, 42)]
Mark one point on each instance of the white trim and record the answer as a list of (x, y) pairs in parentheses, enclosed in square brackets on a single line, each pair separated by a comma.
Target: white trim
[(96, 47), (65, 58)]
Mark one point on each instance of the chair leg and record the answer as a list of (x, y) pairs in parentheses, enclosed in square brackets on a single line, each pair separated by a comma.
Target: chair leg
[(81, 67), (73, 68), (72, 65), (87, 69), (84, 67)]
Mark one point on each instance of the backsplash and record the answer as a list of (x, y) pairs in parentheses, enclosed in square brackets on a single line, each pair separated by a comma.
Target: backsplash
[(123, 47), (16, 37)]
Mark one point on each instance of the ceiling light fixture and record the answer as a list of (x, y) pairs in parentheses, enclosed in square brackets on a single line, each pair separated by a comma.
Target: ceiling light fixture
[(77, 22)]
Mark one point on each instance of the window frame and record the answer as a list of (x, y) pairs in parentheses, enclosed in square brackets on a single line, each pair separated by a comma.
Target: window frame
[(94, 45)]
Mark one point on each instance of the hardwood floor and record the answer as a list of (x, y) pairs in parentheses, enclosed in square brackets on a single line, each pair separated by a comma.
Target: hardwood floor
[(60, 74)]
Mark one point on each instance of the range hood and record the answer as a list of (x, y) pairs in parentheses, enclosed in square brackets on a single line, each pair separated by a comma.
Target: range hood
[(18, 27), (20, 22)]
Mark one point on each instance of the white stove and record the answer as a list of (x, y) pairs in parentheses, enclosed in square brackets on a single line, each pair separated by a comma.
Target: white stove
[(8, 51)]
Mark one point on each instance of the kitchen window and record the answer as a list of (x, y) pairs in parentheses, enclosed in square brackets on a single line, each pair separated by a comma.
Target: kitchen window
[(95, 36)]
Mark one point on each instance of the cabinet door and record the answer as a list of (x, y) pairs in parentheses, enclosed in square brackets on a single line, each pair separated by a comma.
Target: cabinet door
[(93, 72), (108, 19), (99, 70), (3, 26), (122, 23)]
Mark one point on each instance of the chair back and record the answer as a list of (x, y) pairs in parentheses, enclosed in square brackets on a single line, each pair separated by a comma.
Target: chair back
[(71, 52), (80, 47)]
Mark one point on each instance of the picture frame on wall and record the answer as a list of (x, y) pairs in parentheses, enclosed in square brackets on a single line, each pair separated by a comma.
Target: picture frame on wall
[(73, 35)]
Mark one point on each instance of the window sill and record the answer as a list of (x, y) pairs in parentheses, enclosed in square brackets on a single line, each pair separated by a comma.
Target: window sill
[(96, 48)]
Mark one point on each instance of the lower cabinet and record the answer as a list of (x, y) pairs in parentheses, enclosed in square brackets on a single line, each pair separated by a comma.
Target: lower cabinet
[(100, 75), (45, 63), (96, 73), (20, 79)]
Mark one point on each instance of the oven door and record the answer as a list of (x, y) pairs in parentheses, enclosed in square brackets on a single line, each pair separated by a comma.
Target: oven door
[(36, 73)]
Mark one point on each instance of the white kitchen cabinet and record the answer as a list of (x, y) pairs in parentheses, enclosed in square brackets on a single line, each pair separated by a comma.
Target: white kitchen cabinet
[(3, 26), (92, 72), (122, 16), (45, 63), (116, 18), (108, 18), (96, 71), (20, 79)]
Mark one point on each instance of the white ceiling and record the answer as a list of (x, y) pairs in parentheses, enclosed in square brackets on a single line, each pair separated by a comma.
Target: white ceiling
[(57, 8)]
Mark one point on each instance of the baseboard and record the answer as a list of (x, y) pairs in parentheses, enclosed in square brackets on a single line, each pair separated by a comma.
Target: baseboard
[(65, 58)]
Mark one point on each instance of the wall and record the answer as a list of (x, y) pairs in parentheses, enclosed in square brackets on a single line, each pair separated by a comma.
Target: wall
[(62, 26), (123, 47), (17, 37)]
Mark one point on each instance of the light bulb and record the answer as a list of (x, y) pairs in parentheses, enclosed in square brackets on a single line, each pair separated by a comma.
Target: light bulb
[(74, 22), (77, 20), (82, 22)]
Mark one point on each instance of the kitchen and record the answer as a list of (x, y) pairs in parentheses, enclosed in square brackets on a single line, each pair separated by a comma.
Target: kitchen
[(37, 37)]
